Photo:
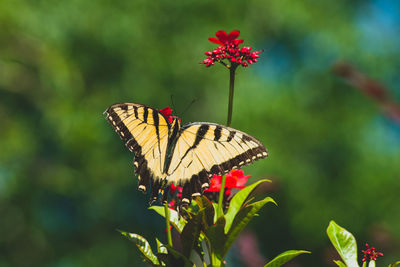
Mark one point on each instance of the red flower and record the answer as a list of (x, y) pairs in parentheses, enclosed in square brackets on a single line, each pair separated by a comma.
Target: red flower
[(234, 179), (229, 50), (215, 184), (173, 188), (370, 254), (167, 111), (225, 39)]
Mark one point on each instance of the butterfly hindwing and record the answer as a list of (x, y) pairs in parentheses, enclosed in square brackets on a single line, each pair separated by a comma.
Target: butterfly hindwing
[(145, 132), (204, 149)]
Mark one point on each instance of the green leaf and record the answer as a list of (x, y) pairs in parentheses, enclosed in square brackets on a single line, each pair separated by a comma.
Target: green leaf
[(396, 264), (217, 237), (242, 218), (160, 247), (177, 222), (344, 242), (340, 263), (238, 201), (143, 246), (208, 218), (191, 233), (371, 264), (285, 257)]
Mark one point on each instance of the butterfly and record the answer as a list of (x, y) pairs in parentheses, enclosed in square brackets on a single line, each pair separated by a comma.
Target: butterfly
[(166, 152)]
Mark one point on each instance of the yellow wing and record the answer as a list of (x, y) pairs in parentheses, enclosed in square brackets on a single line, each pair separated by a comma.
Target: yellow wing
[(204, 149), (145, 131)]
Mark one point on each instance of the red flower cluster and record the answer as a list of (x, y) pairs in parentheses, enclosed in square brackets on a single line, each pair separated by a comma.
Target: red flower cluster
[(234, 179), (370, 254), (230, 50), (167, 111)]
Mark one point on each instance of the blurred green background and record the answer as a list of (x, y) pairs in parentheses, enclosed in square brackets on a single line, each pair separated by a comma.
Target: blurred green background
[(66, 179)]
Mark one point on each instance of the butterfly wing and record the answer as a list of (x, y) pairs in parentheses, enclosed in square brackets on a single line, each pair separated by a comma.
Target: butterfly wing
[(145, 132), (204, 149)]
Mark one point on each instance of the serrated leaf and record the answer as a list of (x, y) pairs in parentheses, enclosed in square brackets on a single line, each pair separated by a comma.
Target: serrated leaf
[(340, 263), (238, 201), (285, 257), (177, 223), (241, 219), (143, 246), (344, 242)]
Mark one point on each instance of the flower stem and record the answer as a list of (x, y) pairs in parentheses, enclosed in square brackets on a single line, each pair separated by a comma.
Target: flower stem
[(220, 211), (232, 70), (167, 217)]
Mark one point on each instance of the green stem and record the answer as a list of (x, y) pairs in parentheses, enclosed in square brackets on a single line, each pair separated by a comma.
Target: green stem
[(232, 70), (167, 217), (220, 211)]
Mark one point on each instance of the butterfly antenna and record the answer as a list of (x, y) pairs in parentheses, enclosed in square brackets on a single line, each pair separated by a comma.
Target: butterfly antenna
[(188, 106), (173, 104)]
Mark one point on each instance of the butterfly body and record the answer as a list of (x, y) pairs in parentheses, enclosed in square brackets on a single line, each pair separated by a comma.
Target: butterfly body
[(186, 156)]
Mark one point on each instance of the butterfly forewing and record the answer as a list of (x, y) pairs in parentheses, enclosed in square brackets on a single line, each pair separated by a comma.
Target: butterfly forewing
[(145, 132), (203, 149)]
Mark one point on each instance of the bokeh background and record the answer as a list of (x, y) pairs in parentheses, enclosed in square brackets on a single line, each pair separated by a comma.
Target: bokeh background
[(66, 179)]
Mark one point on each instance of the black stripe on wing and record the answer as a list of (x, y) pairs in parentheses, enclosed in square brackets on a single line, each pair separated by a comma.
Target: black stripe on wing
[(211, 132)]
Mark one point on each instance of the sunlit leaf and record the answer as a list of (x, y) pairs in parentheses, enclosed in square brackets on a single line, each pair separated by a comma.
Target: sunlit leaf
[(396, 264), (285, 257), (143, 246), (340, 263), (238, 201), (371, 264), (177, 222), (344, 242), (160, 247)]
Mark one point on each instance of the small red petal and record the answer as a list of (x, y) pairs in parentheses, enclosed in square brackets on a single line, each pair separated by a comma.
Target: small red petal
[(233, 35), (238, 41), (215, 40), (222, 36), (166, 111)]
